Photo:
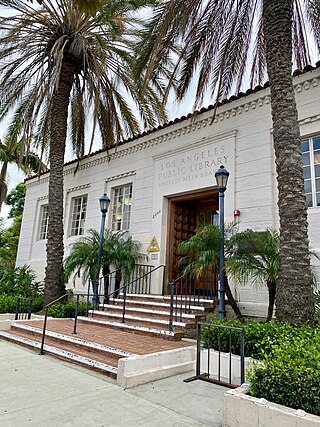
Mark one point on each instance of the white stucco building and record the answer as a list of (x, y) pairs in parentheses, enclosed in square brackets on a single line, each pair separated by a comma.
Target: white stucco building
[(162, 183)]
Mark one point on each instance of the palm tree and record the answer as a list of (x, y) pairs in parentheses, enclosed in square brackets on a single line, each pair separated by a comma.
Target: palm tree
[(58, 63), (217, 37), (254, 257), (83, 258), (202, 252), (87, 6), (118, 251), (124, 254), (13, 152)]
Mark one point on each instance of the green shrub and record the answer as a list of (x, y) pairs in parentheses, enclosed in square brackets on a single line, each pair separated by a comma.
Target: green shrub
[(67, 309), (8, 304), (260, 337), (290, 375), (19, 281)]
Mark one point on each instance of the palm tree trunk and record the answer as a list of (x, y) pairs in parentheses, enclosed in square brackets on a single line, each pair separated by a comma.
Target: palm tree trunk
[(272, 296), (3, 184), (54, 286), (231, 299), (294, 296), (117, 283), (106, 282)]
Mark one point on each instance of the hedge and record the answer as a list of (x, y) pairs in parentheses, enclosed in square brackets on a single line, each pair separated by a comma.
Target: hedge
[(290, 374), (8, 304), (67, 309)]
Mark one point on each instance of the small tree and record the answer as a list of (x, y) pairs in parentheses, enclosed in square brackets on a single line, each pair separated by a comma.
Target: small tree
[(254, 256), (201, 252), (118, 251), (9, 236)]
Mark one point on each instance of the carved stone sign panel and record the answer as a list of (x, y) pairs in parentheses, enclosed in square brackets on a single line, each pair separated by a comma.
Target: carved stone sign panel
[(194, 166)]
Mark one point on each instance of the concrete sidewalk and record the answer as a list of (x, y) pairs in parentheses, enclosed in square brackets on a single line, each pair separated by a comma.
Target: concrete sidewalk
[(42, 391)]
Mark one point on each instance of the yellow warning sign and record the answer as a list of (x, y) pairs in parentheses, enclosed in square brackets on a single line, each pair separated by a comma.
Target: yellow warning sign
[(153, 247)]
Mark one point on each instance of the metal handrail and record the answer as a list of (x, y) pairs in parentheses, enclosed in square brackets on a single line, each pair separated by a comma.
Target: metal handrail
[(207, 376), (100, 280), (191, 295), (25, 316), (125, 287), (46, 316)]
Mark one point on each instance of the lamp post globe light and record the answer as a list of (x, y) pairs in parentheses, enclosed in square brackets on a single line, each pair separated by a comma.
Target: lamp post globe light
[(222, 176), (104, 206)]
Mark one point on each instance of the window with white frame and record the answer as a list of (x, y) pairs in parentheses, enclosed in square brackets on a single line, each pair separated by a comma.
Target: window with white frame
[(311, 170), (78, 215), (121, 208), (44, 217)]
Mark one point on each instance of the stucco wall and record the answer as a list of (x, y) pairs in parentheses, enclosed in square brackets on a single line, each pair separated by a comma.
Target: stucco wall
[(178, 159)]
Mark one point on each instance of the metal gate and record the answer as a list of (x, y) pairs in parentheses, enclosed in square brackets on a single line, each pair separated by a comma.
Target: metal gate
[(217, 366)]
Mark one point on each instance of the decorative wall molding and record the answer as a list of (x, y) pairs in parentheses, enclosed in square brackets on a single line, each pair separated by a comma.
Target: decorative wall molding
[(43, 197), (121, 175), (38, 181), (79, 187), (187, 126), (309, 119)]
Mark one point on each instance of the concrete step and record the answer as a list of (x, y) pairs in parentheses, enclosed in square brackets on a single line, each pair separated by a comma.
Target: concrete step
[(155, 332), (145, 312), (158, 306), (138, 319), (64, 352), (194, 301)]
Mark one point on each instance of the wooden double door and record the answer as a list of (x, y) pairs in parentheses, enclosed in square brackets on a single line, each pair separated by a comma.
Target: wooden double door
[(186, 214)]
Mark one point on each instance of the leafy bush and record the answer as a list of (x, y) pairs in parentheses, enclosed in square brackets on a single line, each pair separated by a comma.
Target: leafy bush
[(290, 373), (291, 376), (8, 304), (67, 309), (260, 337), (19, 281)]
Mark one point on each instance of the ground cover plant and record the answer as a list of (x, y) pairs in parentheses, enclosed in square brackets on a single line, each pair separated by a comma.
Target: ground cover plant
[(67, 310), (290, 373), (19, 282)]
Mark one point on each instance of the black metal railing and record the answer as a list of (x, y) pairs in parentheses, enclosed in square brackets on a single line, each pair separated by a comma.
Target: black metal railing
[(232, 345), (23, 309), (46, 317), (188, 291), (138, 284)]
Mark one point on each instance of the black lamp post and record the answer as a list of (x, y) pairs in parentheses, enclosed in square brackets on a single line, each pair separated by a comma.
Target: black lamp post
[(104, 206), (222, 176)]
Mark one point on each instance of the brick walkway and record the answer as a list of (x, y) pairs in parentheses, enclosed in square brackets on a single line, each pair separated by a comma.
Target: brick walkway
[(133, 343)]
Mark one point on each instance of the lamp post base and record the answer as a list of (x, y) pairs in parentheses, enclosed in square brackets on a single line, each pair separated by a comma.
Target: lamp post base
[(222, 315)]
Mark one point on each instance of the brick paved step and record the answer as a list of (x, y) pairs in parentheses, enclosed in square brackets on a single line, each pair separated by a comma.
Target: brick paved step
[(73, 340), (65, 352), (137, 329), (145, 312), (140, 320)]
